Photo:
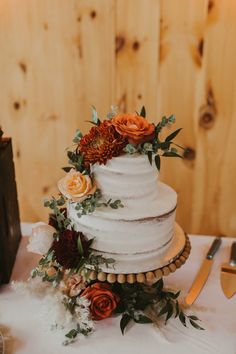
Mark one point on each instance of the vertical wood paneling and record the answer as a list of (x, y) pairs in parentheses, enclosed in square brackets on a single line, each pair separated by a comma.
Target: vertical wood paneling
[(137, 42), (59, 57), (215, 173), (180, 61), (57, 62), (96, 49)]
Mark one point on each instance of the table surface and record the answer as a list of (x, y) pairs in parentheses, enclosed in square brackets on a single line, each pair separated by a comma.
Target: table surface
[(27, 333)]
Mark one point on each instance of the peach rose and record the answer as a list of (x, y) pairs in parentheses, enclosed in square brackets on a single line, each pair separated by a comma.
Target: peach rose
[(136, 128), (76, 186), (73, 285), (102, 300)]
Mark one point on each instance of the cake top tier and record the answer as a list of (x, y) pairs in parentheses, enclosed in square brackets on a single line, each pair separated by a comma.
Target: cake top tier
[(116, 163), (127, 177)]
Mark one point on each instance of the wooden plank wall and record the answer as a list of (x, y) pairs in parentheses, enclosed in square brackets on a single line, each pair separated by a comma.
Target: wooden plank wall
[(59, 57)]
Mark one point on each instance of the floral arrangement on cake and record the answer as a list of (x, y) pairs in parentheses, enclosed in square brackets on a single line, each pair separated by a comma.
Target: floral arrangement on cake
[(68, 262)]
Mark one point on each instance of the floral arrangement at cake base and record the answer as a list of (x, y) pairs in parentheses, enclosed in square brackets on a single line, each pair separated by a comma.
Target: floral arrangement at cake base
[(68, 255)]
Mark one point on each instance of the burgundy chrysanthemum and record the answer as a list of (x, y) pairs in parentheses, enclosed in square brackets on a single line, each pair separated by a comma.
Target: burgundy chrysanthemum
[(66, 248), (101, 144)]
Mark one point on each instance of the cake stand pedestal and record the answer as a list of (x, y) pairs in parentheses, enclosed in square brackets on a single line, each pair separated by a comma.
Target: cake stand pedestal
[(175, 257)]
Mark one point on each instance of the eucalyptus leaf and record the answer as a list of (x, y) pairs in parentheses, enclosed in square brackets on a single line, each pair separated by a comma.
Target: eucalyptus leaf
[(142, 319), (177, 309), (164, 145), (174, 149), (164, 309), (95, 118), (149, 153), (91, 122), (34, 273), (171, 119), (192, 317), (164, 121), (158, 162), (66, 169), (46, 203), (158, 285), (173, 135), (173, 295), (143, 112), (71, 155), (195, 325), (125, 319), (78, 136), (113, 113), (147, 147), (171, 154), (89, 243), (169, 312), (72, 334), (80, 246), (130, 149), (182, 318)]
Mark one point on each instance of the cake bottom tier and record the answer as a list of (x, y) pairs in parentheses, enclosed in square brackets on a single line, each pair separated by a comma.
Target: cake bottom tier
[(126, 263)]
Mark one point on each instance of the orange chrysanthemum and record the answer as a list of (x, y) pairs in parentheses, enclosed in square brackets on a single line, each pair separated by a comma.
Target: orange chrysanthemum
[(101, 144)]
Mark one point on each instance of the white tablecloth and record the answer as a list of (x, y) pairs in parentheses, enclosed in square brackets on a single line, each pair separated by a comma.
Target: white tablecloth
[(20, 316)]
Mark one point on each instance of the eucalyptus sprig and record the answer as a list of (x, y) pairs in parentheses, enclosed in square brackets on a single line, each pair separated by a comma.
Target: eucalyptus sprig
[(76, 160), (95, 201), (77, 137), (156, 148), (96, 260), (113, 112), (136, 299), (48, 269), (73, 333), (55, 205), (95, 120)]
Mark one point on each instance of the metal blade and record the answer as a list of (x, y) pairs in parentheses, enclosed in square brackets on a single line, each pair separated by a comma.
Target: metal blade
[(199, 281), (228, 280)]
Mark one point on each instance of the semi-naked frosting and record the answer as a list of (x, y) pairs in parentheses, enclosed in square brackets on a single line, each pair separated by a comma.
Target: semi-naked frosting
[(138, 235)]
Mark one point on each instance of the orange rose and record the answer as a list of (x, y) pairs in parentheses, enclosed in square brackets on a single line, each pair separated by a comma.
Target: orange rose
[(136, 128), (76, 186), (102, 300)]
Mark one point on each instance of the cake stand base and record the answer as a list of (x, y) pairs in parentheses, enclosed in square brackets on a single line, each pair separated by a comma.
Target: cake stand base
[(175, 261)]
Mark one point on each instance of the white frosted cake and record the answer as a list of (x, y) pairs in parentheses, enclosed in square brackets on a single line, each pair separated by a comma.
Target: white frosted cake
[(137, 235), (112, 235)]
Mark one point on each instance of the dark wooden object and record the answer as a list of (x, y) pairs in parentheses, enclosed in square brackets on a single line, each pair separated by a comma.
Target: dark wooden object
[(10, 233)]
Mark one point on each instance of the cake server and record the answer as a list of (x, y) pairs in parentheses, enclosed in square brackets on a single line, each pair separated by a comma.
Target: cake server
[(228, 274), (203, 273)]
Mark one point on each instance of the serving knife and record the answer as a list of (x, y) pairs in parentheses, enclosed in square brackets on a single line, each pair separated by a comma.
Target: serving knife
[(203, 273), (228, 274)]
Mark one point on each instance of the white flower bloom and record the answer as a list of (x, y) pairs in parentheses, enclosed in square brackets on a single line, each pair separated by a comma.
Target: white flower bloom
[(82, 301), (31, 287), (82, 313), (41, 239), (55, 312)]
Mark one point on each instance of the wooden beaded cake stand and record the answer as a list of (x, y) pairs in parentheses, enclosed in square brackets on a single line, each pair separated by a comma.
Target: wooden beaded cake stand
[(175, 258)]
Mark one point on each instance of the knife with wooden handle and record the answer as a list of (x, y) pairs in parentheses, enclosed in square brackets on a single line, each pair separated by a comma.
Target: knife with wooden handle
[(228, 274), (203, 273)]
